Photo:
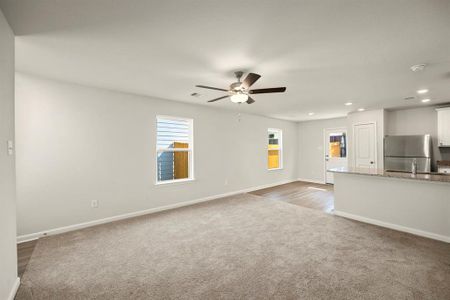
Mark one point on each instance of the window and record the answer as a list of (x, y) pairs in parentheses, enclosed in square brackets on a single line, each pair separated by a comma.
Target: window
[(275, 149), (174, 149), (337, 145)]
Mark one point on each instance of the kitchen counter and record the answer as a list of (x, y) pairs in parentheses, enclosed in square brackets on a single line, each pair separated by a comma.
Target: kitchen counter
[(418, 204), (433, 177)]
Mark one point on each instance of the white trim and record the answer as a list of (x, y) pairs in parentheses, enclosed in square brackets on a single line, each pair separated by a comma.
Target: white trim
[(14, 289), (182, 180), (173, 117), (443, 108), (36, 235), (418, 232), (174, 150), (311, 180), (275, 169)]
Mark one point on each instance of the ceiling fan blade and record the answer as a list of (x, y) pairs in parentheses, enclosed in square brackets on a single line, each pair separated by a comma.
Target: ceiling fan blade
[(269, 90), (250, 80), (220, 98), (211, 88), (250, 100)]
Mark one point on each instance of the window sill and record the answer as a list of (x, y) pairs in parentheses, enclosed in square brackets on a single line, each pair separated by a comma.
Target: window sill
[(175, 181), (276, 169)]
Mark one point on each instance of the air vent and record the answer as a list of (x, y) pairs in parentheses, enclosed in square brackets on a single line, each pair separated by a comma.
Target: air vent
[(409, 98), (418, 68)]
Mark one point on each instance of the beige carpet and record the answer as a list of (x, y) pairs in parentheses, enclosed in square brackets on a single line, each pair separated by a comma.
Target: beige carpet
[(241, 247)]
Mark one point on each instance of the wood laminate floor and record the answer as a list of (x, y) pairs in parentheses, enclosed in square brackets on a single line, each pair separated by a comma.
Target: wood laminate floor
[(306, 194), (24, 252)]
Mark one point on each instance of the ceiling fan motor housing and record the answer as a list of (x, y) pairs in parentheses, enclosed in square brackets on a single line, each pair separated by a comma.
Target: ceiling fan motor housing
[(238, 75), (236, 87)]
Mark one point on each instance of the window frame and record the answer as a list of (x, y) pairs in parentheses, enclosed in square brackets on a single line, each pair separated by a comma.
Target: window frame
[(189, 150), (280, 144)]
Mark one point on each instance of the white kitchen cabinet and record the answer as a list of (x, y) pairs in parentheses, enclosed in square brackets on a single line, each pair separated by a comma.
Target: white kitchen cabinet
[(443, 126)]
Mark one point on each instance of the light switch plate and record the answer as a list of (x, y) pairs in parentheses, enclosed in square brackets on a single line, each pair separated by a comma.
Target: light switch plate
[(10, 146)]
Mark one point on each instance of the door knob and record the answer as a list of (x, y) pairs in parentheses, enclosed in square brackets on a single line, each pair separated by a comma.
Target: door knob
[(371, 162)]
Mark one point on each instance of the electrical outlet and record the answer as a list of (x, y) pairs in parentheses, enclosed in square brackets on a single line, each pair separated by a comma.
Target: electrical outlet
[(94, 203), (226, 182)]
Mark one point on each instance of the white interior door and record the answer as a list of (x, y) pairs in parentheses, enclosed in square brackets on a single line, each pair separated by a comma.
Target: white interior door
[(335, 144), (365, 145)]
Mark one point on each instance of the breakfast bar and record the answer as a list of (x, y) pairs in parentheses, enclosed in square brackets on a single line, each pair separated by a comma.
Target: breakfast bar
[(414, 203)]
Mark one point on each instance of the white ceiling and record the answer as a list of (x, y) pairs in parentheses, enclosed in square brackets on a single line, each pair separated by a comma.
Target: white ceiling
[(326, 52)]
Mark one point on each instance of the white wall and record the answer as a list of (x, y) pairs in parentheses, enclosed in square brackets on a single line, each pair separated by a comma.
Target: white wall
[(377, 116), (76, 144), (421, 120), (397, 122), (311, 164), (8, 258), (416, 206)]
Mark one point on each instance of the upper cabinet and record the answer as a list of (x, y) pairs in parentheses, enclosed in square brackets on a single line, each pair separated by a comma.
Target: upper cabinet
[(443, 126)]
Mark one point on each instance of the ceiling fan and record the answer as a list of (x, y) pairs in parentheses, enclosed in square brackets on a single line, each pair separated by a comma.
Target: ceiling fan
[(239, 92)]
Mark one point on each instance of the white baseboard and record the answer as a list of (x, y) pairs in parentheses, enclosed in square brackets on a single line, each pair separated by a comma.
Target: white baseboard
[(418, 232), (36, 235), (14, 289), (311, 180)]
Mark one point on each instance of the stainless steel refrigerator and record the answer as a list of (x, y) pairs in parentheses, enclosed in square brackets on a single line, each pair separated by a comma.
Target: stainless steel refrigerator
[(400, 151)]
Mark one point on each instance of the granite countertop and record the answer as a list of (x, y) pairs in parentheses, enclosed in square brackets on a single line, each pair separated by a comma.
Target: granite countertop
[(433, 177)]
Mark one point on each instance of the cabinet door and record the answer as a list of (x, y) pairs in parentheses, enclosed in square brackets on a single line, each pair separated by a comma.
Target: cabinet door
[(444, 127)]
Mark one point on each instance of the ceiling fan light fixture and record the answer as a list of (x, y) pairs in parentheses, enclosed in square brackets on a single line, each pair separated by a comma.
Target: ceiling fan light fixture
[(239, 98)]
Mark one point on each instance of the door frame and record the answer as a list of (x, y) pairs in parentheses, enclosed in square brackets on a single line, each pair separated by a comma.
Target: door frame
[(325, 141), (376, 141)]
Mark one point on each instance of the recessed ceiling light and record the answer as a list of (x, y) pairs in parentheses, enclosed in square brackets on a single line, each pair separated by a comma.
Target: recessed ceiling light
[(422, 91), (348, 103), (310, 114), (361, 109), (425, 100)]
